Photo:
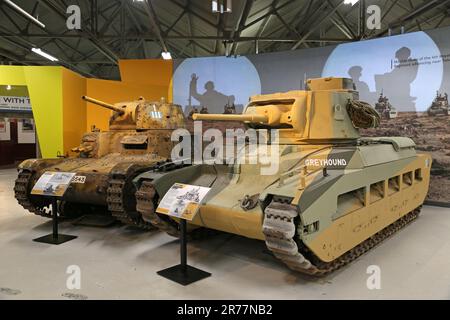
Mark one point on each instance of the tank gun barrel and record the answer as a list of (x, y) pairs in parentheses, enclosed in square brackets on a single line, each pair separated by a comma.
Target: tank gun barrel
[(103, 104), (256, 118)]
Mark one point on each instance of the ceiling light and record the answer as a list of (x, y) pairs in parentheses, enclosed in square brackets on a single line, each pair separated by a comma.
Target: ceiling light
[(44, 54), (24, 13), (8, 87), (166, 55), (352, 2)]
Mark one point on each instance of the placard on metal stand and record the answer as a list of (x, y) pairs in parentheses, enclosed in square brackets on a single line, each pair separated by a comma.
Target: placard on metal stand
[(183, 201), (55, 237), (183, 273), (53, 185)]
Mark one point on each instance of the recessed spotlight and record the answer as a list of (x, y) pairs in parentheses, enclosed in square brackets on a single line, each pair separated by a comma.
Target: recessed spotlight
[(166, 55)]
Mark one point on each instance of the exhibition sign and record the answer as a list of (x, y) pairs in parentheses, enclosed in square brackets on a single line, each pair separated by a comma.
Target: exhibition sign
[(182, 201), (53, 184), (11, 103)]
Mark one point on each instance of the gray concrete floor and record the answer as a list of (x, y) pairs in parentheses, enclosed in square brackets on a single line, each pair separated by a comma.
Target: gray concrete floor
[(121, 263)]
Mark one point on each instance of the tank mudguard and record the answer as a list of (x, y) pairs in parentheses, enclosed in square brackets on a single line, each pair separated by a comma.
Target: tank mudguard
[(286, 191), (164, 180), (38, 164), (125, 168)]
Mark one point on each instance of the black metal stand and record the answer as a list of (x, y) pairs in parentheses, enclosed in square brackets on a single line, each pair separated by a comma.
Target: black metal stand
[(183, 273), (55, 237)]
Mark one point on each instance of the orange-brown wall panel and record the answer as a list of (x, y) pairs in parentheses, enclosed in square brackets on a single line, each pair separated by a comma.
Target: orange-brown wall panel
[(155, 72)]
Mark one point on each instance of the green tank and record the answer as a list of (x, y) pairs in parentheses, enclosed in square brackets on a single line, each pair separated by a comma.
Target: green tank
[(334, 194), (138, 138), (385, 108), (439, 105)]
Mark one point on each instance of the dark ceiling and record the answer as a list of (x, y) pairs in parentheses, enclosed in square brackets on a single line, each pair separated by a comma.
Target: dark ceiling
[(127, 29)]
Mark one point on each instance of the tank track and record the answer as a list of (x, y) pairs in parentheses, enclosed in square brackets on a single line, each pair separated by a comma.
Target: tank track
[(21, 193), (279, 229), (145, 205), (146, 199), (118, 201)]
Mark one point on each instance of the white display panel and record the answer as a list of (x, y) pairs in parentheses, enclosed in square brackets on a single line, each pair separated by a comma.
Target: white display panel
[(26, 131), (5, 129)]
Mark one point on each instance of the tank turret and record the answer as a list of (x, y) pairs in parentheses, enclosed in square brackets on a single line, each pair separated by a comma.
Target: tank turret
[(142, 115), (328, 110)]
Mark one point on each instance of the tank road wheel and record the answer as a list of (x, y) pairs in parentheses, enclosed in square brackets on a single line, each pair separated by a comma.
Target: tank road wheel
[(280, 231), (35, 204), (146, 203)]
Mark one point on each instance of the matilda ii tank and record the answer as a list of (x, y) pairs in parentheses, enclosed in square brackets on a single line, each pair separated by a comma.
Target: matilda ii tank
[(329, 196), (139, 136)]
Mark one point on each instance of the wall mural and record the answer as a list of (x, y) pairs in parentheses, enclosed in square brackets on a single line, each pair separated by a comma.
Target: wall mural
[(407, 69), (405, 77), (215, 85)]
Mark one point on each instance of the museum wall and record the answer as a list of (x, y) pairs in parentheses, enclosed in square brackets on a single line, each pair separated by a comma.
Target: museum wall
[(62, 117), (17, 129), (410, 70), (45, 91), (152, 72)]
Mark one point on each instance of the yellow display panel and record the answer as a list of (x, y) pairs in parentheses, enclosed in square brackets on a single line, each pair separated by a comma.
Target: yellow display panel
[(74, 109)]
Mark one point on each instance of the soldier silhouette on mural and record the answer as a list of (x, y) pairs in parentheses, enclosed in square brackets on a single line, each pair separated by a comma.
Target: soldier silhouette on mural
[(365, 94), (397, 83), (211, 99)]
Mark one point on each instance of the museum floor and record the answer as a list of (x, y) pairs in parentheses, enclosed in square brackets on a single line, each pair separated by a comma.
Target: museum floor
[(121, 263)]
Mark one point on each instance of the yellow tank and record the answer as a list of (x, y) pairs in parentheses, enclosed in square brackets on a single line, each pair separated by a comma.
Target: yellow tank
[(138, 138), (333, 194)]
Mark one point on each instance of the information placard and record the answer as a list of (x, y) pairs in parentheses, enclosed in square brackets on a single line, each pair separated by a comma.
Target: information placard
[(182, 201), (53, 183)]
